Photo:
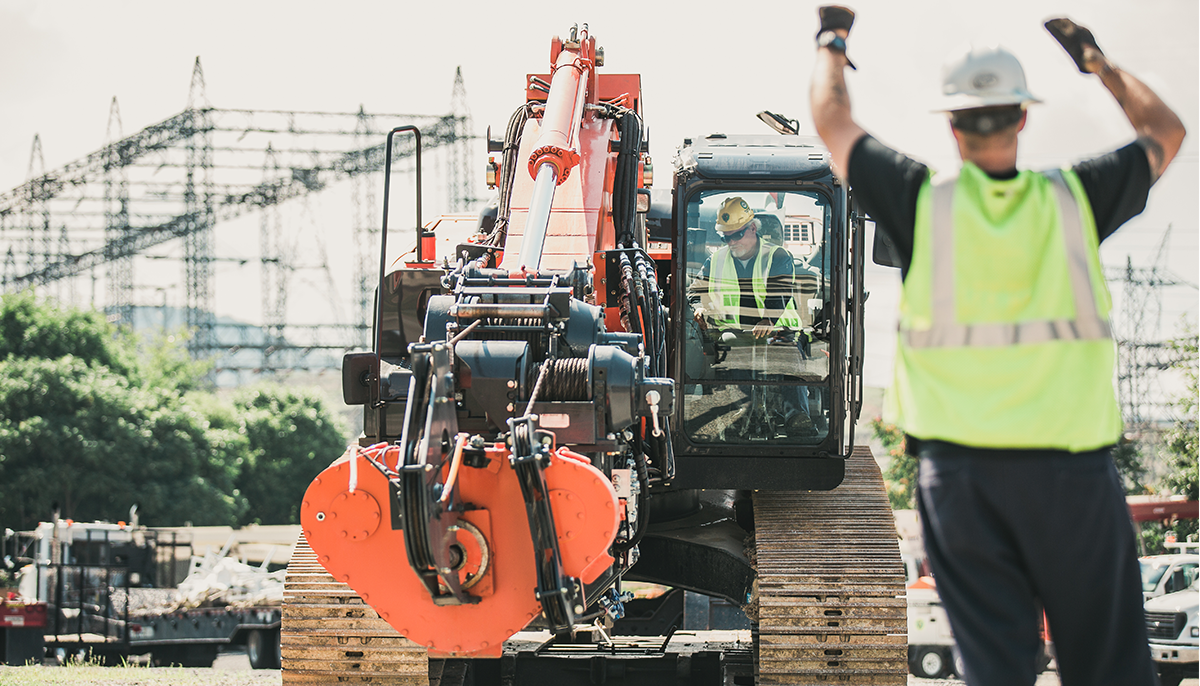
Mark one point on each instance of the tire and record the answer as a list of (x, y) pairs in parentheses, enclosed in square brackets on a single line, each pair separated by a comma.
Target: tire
[(928, 662), (957, 662), (1170, 677), (262, 647)]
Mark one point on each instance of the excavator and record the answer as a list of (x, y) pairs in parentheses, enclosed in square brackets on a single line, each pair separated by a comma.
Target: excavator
[(556, 411)]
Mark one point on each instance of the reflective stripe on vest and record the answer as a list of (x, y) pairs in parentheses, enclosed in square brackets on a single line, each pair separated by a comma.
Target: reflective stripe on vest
[(727, 291), (945, 331)]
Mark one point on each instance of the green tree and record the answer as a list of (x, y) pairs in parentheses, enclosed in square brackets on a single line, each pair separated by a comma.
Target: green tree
[(900, 476), (93, 420), (1127, 458), (1179, 448), (33, 329), (83, 438), (1181, 444), (1183, 439), (292, 436)]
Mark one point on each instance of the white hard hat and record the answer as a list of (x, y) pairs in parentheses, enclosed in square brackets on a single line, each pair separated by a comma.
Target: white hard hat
[(988, 76)]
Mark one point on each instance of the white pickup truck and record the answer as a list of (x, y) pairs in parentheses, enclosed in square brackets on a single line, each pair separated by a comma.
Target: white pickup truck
[(1163, 574), (1173, 626)]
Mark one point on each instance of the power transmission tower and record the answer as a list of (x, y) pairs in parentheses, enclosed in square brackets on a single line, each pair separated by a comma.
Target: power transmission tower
[(171, 183), (38, 222), (116, 221), (274, 281), (461, 196), (1140, 348), (198, 211), (366, 227)]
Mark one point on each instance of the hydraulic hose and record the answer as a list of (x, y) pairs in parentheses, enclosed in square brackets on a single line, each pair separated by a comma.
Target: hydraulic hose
[(508, 166), (625, 176)]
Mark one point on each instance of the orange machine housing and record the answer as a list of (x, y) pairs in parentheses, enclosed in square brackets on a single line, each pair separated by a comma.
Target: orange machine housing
[(346, 514), (345, 519)]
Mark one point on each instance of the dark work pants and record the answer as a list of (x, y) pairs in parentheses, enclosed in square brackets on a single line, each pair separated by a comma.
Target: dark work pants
[(1009, 531)]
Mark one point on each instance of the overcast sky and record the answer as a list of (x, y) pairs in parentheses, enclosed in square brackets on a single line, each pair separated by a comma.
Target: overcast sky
[(705, 67)]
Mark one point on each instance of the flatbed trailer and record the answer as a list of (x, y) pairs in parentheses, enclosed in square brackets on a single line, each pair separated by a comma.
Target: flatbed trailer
[(109, 594), (190, 638)]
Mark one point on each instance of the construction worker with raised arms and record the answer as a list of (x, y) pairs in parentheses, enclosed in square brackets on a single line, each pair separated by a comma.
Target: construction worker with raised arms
[(1004, 365)]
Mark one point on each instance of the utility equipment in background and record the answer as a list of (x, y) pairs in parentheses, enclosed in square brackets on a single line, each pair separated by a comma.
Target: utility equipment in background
[(106, 592)]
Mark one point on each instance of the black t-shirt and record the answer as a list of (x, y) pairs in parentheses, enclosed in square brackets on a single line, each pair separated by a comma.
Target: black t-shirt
[(886, 184)]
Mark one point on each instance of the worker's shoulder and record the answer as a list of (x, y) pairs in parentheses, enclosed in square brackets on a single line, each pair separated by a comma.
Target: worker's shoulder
[(873, 164)]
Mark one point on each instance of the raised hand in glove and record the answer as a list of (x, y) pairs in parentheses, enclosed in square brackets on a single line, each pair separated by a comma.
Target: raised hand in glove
[(1079, 44), (835, 19)]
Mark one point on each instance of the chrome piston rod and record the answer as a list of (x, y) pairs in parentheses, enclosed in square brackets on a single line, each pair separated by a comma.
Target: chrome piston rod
[(534, 237)]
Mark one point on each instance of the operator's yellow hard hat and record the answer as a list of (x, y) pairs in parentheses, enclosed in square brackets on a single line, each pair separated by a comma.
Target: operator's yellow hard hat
[(986, 76), (733, 215)]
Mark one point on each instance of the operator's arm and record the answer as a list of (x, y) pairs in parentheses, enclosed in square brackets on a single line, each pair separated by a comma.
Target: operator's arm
[(829, 97), (1159, 130)]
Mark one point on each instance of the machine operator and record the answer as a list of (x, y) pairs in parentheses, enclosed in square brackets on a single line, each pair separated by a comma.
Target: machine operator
[(746, 285), (1004, 363)]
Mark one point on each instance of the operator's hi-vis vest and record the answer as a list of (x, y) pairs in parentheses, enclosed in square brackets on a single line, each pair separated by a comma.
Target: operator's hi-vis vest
[(725, 292), (1004, 337)]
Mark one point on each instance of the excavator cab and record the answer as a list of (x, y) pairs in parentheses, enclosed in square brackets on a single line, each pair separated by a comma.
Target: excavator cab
[(769, 324)]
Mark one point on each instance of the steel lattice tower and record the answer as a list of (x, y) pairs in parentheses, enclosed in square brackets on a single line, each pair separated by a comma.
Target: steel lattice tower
[(199, 212), (1140, 349), (171, 183), (274, 282), (38, 212), (116, 222), (461, 196), (366, 227)]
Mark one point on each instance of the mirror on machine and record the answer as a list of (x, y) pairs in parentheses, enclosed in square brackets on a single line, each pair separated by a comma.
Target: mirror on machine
[(756, 357)]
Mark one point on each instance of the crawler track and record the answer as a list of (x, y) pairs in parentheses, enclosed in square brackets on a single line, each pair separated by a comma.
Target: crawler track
[(330, 635), (830, 599), (831, 602)]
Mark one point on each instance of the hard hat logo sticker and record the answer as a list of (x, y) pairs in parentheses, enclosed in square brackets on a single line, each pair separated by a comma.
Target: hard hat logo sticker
[(985, 80)]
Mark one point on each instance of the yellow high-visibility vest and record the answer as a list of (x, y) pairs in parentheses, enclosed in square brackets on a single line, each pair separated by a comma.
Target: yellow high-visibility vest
[(725, 291), (1004, 337)]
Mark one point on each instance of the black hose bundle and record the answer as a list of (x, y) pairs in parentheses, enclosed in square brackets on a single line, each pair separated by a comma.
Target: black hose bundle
[(508, 167), (625, 176)]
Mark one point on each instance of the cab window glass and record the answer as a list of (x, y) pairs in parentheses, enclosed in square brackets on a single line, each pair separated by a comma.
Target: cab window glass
[(756, 353)]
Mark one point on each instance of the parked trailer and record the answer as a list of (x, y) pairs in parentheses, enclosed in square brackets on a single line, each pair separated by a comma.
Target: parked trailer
[(110, 594)]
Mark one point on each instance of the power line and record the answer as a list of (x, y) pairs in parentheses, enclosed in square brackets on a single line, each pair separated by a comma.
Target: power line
[(174, 181)]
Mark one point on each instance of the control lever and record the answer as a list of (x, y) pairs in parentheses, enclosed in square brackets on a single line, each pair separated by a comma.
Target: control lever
[(652, 397)]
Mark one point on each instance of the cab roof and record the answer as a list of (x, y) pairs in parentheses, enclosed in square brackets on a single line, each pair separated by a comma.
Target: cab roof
[(737, 156)]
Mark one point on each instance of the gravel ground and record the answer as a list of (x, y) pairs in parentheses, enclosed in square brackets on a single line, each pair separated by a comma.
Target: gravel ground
[(1047, 678), (233, 669)]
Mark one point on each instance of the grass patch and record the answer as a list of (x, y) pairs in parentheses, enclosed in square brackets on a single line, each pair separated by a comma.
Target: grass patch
[(91, 673)]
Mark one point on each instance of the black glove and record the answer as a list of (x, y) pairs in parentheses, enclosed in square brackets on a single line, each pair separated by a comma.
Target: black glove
[(1075, 39), (835, 17)]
